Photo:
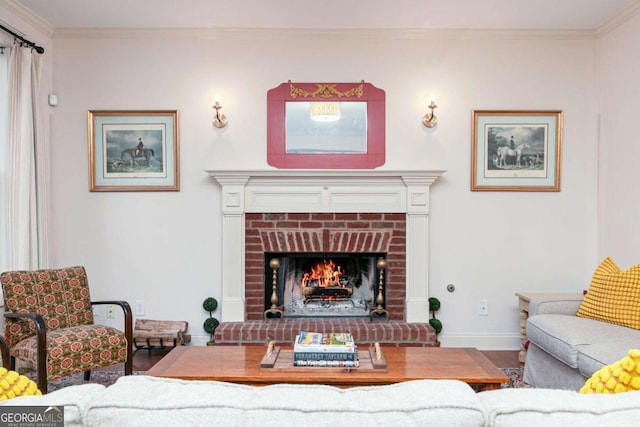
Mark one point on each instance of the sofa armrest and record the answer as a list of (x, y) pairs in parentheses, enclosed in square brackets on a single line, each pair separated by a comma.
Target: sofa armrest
[(555, 305)]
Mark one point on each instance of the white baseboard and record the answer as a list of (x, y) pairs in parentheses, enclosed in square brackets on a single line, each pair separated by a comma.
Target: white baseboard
[(481, 341)]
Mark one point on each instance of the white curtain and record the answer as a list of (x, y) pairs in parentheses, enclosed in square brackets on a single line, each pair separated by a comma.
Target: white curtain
[(27, 165), (4, 151)]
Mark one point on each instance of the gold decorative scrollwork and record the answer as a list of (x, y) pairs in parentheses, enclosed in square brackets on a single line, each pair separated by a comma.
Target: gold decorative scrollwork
[(326, 90)]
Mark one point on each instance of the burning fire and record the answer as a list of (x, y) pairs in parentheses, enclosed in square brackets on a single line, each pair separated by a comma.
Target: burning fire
[(323, 275)]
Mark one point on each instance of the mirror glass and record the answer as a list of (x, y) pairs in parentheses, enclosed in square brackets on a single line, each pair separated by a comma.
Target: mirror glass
[(326, 127)]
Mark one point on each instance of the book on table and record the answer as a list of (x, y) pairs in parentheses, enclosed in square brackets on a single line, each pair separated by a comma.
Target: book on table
[(328, 363), (333, 349), (317, 342), (306, 355)]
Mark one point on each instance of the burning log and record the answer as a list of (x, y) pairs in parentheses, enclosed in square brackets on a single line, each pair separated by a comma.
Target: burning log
[(329, 291), (325, 280)]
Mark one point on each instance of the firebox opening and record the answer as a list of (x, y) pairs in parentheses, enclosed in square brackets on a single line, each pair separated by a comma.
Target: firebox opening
[(324, 284)]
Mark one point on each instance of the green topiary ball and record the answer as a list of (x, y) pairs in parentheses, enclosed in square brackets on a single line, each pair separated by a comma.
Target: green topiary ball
[(434, 304), (436, 324), (210, 325), (210, 304)]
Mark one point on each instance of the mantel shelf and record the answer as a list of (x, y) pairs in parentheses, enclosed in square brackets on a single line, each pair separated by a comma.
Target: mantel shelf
[(324, 173)]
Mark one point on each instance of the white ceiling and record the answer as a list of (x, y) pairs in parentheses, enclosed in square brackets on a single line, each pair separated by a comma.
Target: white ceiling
[(330, 14)]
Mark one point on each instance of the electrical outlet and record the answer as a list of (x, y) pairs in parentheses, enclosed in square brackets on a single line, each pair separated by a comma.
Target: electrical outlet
[(139, 308), (483, 307), (111, 311)]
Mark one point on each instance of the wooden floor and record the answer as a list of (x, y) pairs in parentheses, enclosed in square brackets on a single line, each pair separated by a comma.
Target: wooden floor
[(143, 360), (503, 359)]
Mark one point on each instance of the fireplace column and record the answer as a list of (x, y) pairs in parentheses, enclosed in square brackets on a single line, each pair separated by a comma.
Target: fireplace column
[(233, 210), (417, 289)]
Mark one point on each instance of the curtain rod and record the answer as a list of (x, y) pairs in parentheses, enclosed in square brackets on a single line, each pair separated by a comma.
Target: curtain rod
[(31, 44)]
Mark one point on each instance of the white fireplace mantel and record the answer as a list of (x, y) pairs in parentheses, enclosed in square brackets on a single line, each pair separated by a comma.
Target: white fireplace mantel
[(373, 191)]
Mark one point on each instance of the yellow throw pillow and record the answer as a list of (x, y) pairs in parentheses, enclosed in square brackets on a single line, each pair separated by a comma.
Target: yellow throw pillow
[(613, 296), (12, 384), (620, 376)]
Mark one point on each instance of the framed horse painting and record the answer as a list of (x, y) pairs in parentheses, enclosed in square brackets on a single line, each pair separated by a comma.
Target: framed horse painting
[(516, 150), (133, 150)]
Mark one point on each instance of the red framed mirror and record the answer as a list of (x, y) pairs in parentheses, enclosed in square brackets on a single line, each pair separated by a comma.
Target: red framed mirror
[(326, 126)]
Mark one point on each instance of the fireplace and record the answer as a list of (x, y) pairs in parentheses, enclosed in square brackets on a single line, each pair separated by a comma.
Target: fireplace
[(326, 212), (323, 284), (301, 241)]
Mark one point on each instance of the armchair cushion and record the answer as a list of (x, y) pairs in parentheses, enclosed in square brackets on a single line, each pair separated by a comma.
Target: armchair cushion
[(75, 349)]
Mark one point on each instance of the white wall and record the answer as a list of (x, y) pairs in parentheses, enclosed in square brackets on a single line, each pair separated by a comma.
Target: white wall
[(164, 248), (619, 199)]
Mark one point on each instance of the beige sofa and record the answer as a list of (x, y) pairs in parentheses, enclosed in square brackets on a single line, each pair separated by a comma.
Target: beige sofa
[(149, 401), (564, 350)]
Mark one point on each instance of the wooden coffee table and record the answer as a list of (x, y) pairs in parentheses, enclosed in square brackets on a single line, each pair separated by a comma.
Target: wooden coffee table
[(241, 364)]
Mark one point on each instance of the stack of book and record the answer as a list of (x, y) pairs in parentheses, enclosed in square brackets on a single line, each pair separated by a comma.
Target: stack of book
[(334, 349)]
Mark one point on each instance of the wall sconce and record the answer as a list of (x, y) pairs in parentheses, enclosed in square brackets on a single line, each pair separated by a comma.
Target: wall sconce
[(219, 119), (430, 119)]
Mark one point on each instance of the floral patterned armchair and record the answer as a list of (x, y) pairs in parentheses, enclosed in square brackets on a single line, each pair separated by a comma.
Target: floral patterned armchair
[(49, 325)]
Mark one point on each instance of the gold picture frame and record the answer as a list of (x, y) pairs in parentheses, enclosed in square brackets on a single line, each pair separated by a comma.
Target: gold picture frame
[(133, 150), (516, 150)]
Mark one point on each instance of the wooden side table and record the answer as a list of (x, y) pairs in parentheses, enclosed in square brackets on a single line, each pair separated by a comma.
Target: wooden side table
[(523, 304)]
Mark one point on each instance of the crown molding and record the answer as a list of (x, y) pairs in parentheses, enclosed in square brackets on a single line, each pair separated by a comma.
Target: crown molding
[(27, 16), (615, 22), (287, 34)]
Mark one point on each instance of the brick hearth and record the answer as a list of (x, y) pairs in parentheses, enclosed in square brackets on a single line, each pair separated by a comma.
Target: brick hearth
[(393, 333)]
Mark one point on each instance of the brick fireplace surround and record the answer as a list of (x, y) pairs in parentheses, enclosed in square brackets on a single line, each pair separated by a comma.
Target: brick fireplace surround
[(324, 232), (325, 211)]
